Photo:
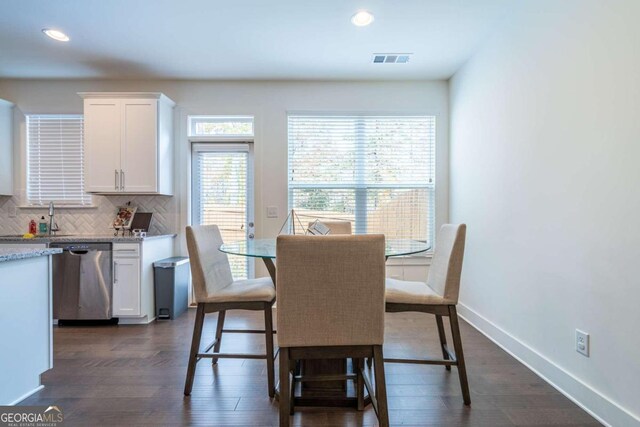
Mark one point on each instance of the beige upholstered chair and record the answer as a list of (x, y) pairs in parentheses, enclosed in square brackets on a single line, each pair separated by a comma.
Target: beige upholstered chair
[(216, 291), (438, 296), (336, 227), (331, 305)]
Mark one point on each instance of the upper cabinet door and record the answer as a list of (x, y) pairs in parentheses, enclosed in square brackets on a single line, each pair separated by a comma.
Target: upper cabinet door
[(102, 149), (140, 145), (128, 142)]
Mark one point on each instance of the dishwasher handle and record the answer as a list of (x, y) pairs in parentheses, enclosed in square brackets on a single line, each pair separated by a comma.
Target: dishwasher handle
[(78, 253)]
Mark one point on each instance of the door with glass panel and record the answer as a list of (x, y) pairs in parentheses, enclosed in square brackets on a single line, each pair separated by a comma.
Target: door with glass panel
[(222, 194)]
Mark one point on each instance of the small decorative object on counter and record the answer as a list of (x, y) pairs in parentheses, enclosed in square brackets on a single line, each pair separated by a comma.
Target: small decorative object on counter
[(43, 227), (33, 227), (124, 217), (138, 232)]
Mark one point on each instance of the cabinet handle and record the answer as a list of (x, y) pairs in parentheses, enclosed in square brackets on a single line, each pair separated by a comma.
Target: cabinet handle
[(116, 180), (121, 180), (115, 272)]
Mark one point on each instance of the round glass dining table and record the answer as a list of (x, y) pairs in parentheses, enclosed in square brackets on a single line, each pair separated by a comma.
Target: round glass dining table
[(330, 393), (266, 249)]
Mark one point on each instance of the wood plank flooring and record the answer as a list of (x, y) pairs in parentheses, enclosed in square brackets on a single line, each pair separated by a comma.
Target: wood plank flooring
[(134, 376)]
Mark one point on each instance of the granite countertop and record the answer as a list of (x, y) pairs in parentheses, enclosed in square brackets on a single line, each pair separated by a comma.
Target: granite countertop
[(82, 238), (13, 254)]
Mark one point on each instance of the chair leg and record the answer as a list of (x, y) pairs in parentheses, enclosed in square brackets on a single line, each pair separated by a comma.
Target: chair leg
[(381, 387), (218, 337), (457, 345), (284, 387), (292, 390), (359, 367), (443, 339), (195, 348), (268, 332)]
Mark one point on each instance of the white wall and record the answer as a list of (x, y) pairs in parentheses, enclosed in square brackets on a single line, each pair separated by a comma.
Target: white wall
[(545, 142), (269, 103)]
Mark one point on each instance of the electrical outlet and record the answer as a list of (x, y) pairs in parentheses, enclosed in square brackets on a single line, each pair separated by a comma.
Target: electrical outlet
[(13, 211), (272, 212), (582, 342)]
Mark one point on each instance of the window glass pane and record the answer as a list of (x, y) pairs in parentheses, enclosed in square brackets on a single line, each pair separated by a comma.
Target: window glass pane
[(327, 204), (323, 150), (399, 213), (221, 181), (376, 171), (55, 169), (220, 126)]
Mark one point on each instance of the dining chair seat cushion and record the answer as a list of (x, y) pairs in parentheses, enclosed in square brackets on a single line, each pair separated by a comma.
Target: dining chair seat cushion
[(406, 292), (260, 289)]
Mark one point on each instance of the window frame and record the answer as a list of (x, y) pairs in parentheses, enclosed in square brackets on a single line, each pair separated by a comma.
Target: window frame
[(360, 187)]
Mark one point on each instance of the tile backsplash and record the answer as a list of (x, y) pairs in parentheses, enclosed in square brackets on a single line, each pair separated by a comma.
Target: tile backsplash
[(95, 220)]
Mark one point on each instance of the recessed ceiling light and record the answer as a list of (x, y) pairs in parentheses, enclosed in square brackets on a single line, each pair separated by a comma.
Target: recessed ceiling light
[(56, 35), (362, 18)]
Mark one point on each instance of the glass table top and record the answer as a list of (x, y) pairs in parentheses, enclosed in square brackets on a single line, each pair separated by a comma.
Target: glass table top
[(266, 248)]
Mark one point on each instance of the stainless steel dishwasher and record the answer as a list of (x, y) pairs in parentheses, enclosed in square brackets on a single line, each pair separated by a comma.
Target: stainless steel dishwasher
[(82, 282)]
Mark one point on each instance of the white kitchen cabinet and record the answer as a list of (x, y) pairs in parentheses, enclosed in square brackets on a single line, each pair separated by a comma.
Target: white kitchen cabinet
[(126, 287), (128, 147), (133, 286), (6, 148), (25, 326)]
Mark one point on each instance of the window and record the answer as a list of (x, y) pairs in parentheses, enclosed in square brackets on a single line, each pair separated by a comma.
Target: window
[(376, 171), (55, 170), (221, 126)]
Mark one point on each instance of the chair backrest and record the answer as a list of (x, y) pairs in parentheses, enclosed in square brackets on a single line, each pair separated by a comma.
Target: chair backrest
[(336, 227), (330, 290), (446, 266), (210, 269)]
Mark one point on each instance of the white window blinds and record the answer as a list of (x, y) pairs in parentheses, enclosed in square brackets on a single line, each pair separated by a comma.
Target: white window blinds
[(376, 171), (55, 170), (221, 186)]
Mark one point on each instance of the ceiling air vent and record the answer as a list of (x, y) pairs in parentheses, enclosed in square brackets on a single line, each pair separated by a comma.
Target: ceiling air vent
[(391, 58)]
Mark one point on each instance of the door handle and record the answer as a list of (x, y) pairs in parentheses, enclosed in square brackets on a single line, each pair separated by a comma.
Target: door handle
[(121, 180), (116, 180)]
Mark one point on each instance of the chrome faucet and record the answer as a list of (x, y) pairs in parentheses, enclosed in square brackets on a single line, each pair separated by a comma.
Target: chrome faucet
[(53, 226)]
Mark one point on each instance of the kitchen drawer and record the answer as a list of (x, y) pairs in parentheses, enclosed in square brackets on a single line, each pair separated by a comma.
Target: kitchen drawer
[(126, 250)]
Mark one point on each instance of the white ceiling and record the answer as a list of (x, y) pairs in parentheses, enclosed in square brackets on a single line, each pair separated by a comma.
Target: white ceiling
[(240, 39)]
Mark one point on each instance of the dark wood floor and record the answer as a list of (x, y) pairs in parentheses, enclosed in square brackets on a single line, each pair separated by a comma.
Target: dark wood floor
[(134, 375)]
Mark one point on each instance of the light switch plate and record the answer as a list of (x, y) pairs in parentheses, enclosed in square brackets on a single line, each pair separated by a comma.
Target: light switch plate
[(582, 342), (272, 212)]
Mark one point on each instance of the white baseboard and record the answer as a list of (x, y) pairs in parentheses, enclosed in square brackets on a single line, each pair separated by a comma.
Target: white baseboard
[(144, 320), (599, 406), (24, 396)]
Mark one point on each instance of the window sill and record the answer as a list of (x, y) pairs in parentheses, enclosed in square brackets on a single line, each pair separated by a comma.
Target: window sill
[(57, 207), (415, 259)]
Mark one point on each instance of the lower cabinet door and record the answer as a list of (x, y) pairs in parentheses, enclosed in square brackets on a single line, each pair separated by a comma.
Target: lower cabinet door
[(126, 287)]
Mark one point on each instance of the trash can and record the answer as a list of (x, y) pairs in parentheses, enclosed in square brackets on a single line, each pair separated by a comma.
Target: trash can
[(171, 279)]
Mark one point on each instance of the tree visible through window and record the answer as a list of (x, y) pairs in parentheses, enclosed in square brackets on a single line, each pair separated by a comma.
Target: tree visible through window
[(376, 171)]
